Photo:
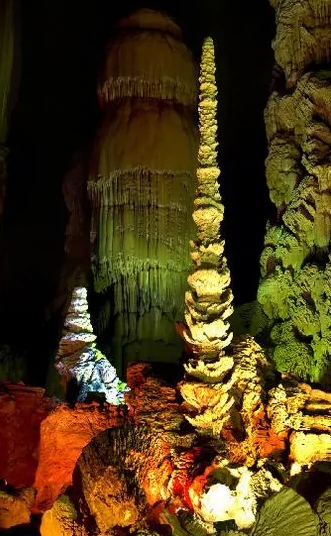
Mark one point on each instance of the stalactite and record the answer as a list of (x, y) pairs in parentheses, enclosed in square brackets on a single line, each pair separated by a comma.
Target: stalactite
[(141, 183)]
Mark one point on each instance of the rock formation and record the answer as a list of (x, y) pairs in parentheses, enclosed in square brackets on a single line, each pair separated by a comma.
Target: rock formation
[(60, 520), (63, 435), (154, 471), (239, 455), (15, 507), (141, 185), (208, 302), (79, 359), (295, 290), (22, 409), (142, 466)]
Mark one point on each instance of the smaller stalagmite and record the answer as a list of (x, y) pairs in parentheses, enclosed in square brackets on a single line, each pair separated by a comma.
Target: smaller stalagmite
[(15, 507), (79, 358)]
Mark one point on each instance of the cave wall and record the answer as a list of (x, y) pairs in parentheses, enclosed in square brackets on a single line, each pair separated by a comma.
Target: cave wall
[(295, 290)]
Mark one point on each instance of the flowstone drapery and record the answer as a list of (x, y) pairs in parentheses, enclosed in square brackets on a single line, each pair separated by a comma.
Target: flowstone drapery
[(142, 184), (295, 290)]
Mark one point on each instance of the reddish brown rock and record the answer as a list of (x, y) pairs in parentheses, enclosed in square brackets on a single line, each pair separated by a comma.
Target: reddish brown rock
[(22, 409), (63, 435)]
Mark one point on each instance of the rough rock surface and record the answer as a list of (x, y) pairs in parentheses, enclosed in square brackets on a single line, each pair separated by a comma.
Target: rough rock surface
[(134, 467), (22, 410), (304, 413), (302, 36), (150, 469), (125, 472), (60, 520), (230, 404), (15, 507), (208, 300)]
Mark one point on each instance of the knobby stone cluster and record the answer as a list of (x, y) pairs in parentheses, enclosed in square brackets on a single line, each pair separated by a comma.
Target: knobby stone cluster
[(295, 289)]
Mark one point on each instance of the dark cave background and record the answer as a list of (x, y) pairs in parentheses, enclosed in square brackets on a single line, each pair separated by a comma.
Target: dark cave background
[(62, 45)]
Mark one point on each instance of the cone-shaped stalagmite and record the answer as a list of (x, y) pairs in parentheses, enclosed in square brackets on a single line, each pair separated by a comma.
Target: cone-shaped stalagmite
[(79, 358), (295, 290), (142, 185), (208, 300)]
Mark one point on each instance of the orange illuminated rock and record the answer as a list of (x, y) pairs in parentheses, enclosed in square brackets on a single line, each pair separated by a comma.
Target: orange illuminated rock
[(63, 435), (126, 473), (22, 409), (15, 507)]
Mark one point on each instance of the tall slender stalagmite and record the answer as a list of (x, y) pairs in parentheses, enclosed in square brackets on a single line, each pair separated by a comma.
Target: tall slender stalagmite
[(208, 302), (142, 186), (295, 288)]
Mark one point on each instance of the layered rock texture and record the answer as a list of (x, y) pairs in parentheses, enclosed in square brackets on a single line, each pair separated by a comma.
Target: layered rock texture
[(41, 440), (294, 290), (142, 184), (15, 507), (154, 471), (60, 520), (208, 300)]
